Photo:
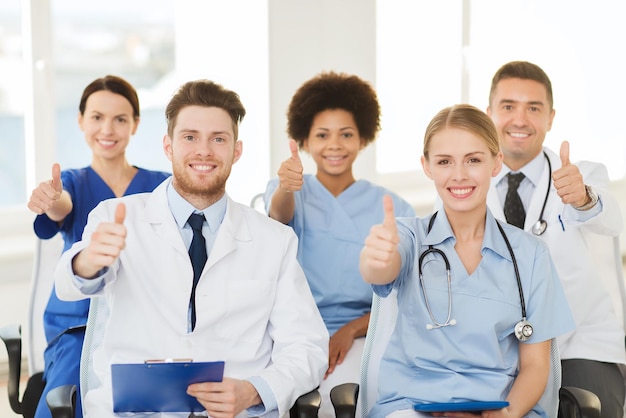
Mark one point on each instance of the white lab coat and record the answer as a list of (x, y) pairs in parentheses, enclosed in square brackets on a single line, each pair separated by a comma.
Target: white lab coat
[(599, 334), (254, 308)]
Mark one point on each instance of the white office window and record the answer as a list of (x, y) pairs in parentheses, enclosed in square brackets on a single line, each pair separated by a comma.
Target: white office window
[(131, 39), (431, 54), (581, 48), (12, 153), (419, 60)]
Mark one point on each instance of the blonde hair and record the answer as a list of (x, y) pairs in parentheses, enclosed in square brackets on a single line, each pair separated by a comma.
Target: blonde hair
[(468, 118)]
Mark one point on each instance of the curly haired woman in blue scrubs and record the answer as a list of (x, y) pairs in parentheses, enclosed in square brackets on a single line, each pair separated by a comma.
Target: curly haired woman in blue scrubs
[(108, 116), (332, 117)]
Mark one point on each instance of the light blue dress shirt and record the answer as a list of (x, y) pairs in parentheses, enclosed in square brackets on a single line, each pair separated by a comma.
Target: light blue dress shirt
[(182, 210)]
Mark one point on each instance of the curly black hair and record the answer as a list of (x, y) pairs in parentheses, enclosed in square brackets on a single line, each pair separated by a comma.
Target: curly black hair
[(331, 90)]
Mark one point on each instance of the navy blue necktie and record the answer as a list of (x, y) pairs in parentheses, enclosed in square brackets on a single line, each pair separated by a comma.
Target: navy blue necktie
[(198, 256), (513, 208)]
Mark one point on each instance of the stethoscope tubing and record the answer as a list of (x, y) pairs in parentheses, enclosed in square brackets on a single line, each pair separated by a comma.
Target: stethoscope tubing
[(523, 329), (541, 225)]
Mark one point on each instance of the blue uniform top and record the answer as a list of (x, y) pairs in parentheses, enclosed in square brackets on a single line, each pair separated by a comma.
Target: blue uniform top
[(331, 232), (87, 189), (478, 358)]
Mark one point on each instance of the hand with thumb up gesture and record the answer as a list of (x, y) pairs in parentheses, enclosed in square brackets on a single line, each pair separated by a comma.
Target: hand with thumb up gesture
[(380, 259), (49, 198), (105, 246), (290, 175), (568, 180), (290, 179)]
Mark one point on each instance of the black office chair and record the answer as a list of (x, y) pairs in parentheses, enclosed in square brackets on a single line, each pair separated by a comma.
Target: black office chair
[(573, 402), (46, 255), (12, 337), (62, 403), (578, 403), (257, 202)]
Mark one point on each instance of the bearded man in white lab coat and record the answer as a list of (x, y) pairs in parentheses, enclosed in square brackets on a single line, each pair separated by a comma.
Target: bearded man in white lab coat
[(252, 307)]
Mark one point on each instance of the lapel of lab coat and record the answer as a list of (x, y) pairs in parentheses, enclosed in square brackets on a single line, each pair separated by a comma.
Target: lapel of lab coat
[(234, 227), (162, 221)]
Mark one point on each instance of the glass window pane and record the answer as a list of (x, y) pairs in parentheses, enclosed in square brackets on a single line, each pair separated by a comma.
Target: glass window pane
[(420, 61), (582, 53), (12, 151), (137, 45)]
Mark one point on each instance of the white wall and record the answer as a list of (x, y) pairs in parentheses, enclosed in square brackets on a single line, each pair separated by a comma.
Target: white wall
[(307, 37)]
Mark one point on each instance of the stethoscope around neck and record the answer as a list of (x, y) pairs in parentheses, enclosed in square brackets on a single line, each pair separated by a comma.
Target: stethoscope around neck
[(523, 329), (540, 226)]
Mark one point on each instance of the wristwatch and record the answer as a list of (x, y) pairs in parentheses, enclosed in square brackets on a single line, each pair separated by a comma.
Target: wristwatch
[(592, 199)]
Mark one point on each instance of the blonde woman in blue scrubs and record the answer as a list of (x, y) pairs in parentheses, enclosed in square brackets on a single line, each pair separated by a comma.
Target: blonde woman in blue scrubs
[(455, 339)]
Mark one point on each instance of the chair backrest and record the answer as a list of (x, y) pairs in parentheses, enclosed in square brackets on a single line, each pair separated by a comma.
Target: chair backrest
[(98, 314), (46, 256), (47, 253), (382, 323), (257, 202)]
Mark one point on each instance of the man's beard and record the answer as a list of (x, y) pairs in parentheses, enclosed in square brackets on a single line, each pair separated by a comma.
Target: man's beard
[(212, 188)]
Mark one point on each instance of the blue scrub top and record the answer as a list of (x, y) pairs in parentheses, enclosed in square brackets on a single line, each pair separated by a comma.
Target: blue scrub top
[(476, 359), (331, 232), (86, 189)]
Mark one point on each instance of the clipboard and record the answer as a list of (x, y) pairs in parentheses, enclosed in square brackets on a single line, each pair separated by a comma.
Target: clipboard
[(160, 386), (472, 406)]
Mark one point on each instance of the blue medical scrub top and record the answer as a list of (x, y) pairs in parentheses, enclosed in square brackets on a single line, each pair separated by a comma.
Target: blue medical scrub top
[(331, 232), (478, 358), (87, 189)]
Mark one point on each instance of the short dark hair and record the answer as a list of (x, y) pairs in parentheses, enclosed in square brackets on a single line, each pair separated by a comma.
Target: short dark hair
[(331, 90), (114, 84), (526, 71), (204, 93)]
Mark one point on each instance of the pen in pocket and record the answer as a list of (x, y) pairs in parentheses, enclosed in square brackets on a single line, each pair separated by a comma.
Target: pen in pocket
[(561, 221)]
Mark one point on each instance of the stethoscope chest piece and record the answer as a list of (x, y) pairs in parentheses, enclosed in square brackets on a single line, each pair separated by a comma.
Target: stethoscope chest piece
[(539, 227), (523, 330)]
